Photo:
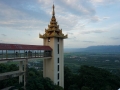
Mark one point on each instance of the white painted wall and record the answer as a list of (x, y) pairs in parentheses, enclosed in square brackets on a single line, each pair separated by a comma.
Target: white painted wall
[(50, 66)]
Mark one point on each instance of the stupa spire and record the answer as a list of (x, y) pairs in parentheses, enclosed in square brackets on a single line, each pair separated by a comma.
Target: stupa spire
[(53, 12)]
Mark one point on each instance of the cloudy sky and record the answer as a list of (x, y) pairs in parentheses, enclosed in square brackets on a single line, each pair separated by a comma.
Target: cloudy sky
[(87, 22)]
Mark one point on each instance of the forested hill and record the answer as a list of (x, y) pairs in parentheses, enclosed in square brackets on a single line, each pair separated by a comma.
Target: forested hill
[(103, 48)]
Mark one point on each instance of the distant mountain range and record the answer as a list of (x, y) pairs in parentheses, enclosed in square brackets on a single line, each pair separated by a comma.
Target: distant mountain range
[(110, 48)]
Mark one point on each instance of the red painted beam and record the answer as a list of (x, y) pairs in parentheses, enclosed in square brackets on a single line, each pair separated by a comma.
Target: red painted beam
[(4, 46)]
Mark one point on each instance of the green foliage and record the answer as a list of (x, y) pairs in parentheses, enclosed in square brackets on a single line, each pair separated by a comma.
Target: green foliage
[(7, 68), (58, 87), (8, 82), (97, 78), (73, 87), (86, 78), (85, 88), (91, 78), (11, 81), (18, 86), (35, 81), (67, 77)]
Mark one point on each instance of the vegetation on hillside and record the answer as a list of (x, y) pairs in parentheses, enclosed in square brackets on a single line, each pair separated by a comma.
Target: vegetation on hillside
[(85, 78), (110, 62), (11, 81), (91, 78), (35, 80)]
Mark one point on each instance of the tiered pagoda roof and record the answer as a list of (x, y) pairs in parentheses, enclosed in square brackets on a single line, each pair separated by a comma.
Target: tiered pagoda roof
[(53, 29)]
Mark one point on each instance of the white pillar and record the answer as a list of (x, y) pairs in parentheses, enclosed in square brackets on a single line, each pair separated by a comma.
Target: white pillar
[(21, 69), (25, 71)]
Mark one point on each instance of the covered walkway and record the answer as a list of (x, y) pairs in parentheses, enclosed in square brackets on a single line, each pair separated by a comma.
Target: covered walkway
[(20, 51)]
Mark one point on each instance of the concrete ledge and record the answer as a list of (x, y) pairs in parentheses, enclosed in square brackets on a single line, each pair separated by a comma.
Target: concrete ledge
[(20, 59), (8, 75)]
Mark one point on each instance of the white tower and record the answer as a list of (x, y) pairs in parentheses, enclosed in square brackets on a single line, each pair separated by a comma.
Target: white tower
[(54, 67)]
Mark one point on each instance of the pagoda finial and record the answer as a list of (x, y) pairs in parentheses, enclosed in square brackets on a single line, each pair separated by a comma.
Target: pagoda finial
[(53, 13)]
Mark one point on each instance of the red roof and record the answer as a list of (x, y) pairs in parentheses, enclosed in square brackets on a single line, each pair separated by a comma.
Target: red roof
[(4, 46)]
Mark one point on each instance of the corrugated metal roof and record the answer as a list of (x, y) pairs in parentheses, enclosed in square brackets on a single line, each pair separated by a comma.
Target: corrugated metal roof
[(4, 46)]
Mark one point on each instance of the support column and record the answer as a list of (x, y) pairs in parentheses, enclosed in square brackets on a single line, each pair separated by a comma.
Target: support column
[(25, 70), (21, 69)]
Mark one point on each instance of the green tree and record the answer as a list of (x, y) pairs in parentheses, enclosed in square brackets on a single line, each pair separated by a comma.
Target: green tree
[(90, 78), (35, 81), (73, 87), (11, 81), (97, 78), (18, 86), (67, 78), (85, 88)]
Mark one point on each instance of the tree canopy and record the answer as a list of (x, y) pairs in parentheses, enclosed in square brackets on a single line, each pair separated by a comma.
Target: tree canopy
[(86, 78), (91, 78)]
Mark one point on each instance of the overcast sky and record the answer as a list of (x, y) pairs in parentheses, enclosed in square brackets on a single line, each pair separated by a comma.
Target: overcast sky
[(87, 22)]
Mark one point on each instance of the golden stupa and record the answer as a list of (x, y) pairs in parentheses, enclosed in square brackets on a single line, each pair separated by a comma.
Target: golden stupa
[(53, 29)]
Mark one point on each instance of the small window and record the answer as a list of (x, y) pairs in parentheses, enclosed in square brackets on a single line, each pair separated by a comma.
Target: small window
[(49, 39), (58, 48), (58, 39), (58, 76), (58, 67), (58, 83), (58, 60)]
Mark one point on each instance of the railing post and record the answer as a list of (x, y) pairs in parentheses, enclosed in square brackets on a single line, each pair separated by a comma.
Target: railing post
[(35, 54), (14, 54), (24, 53), (6, 54), (19, 54), (2, 54), (40, 53)]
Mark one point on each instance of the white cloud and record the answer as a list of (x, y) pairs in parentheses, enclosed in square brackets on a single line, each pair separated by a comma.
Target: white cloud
[(106, 17), (89, 41), (18, 20), (95, 19), (21, 18), (92, 31), (115, 38), (78, 7), (3, 35), (103, 2), (46, 2), (98, 1)]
